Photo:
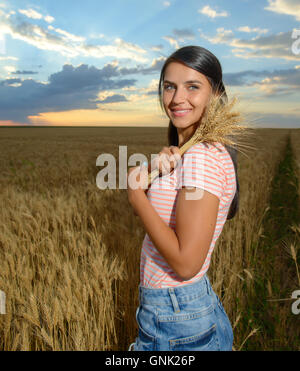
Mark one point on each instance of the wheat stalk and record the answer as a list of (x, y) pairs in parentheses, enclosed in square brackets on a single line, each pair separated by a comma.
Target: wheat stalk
[(219, 124)]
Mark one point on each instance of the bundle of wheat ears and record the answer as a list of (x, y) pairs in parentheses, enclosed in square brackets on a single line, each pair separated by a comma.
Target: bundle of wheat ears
[(218, 124)]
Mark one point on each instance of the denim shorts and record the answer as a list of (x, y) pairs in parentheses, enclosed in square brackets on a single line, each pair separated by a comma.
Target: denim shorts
[(189, 317)]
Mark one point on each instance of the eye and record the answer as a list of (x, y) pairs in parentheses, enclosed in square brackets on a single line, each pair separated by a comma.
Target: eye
[(193, 87), (168, 87)]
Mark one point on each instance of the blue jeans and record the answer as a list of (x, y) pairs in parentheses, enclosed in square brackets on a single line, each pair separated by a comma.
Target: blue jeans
[(189, 317)]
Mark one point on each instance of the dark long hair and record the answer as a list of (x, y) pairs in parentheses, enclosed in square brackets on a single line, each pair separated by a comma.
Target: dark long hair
[(203, 61)]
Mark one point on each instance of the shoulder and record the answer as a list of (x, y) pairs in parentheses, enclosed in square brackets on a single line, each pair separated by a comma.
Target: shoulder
[(215, 147), (215, 152), (204, 166)]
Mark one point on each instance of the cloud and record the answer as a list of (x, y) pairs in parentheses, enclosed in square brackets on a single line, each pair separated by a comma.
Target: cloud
[(286, 7), (155, 67), (250, 30), (30, 13), (49, 19), (151, 89), (272, 46), (157, 48), (172, 41), (33, 14), (66, 35), (166, 4), (24, 72), (71, 88), (239, 78), (222, 37), (86, 78), (9, 69), (269, 83), (207, 10), (9, 58), (279, 82), (115, 98), (129, 46), (179, 36), (67, 44), (9, 82)]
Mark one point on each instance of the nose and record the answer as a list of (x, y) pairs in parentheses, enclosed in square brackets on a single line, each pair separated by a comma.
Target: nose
[(179, 96)]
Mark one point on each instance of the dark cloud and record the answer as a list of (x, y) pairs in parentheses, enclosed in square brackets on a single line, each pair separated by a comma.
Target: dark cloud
[(86, 78), (24, 72), (71, 88), (113, 99), (239, 78), (152, 92), (155, 67), (278, 82), (8, 82)]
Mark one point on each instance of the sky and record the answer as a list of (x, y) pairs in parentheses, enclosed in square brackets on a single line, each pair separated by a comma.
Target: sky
[(97, 62)]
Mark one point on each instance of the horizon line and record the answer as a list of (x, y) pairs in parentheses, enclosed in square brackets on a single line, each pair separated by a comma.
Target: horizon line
[(114, 126)]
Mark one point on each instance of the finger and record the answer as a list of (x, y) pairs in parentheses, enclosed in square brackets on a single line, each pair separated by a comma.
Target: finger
[(166, 153), (175, 151), (173, 161), (166, 164), (177, 158), (156, 164), (175, 154), (165, 150), (169, 151), (159, 160)]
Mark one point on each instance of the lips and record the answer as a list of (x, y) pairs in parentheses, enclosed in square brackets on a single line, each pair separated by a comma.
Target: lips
[(180, 112)]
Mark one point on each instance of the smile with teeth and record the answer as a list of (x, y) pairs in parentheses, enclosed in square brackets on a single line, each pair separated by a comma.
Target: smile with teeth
[(180, 113)]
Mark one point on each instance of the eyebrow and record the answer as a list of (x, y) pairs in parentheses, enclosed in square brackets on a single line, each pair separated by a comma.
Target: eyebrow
[(186, 82)]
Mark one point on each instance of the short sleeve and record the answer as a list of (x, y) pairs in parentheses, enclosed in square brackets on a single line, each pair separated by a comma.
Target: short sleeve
[(202, 167)]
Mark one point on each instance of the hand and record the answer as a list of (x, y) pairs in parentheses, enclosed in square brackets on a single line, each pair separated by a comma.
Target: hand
[(137, 180), (167, 160)]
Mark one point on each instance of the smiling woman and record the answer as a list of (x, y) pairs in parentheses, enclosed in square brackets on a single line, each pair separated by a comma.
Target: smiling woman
[(184, 100), (183, 214)]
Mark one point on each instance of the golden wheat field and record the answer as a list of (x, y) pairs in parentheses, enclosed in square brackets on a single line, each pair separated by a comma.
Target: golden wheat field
[(69, 252)]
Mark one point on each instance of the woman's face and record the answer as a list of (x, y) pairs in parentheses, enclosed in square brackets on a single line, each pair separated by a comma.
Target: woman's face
[(185, 95)]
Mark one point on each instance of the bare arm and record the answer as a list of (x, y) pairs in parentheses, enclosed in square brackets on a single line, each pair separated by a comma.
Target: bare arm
[(185, 249)]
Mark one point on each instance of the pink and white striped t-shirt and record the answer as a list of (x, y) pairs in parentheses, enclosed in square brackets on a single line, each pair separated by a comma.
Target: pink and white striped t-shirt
[(206, 166)]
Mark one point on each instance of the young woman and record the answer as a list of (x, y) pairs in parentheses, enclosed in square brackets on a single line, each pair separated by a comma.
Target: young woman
[(183, 213)]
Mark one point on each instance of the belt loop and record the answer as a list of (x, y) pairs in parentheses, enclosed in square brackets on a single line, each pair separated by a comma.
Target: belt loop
[(208, 285), (174, 300)]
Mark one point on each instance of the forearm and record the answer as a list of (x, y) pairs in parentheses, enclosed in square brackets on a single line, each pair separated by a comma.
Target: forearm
[(162, 236)]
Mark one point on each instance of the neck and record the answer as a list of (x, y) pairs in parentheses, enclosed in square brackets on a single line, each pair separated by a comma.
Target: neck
[(184, 135)]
